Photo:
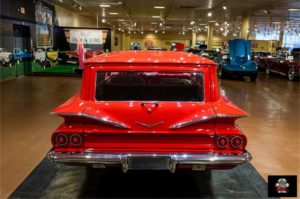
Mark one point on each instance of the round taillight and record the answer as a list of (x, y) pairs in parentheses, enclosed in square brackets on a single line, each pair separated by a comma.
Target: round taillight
[(75, 139), (222, 142), (61, 139), (236, 142)]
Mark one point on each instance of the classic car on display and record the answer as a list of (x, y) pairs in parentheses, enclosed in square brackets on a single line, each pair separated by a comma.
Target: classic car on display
[(150, 110), (261, 59), (46, 57), (5, 57), (285, 64), (89, 53), (19, 54), (238, 61)]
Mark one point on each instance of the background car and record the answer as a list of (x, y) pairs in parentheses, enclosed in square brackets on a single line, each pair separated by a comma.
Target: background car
[(285, 64), (5, 57), (46, 57), (19, 54), (238, 62)]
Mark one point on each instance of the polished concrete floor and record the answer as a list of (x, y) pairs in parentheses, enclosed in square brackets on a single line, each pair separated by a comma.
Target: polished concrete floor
[(273, 128)]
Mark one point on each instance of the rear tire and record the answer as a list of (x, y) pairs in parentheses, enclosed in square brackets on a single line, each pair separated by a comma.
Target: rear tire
[(291, 74), (253, 77), (267, 70), (221, 72)]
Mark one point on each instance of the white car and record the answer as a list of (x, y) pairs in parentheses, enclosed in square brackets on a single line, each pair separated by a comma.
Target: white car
[(5, 57), (40, 55)]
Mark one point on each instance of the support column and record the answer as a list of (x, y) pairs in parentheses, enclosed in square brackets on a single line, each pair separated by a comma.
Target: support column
[(245, 27), (210, 35), (112, 40), (280, 43), (194, 36), (125, 42)]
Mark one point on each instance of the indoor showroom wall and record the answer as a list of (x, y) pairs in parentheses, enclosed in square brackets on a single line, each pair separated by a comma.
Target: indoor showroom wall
[(69, 18)]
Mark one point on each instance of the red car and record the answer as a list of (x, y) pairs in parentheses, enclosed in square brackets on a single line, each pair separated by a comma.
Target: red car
[(285, 65), (150, 110), (89, 53)]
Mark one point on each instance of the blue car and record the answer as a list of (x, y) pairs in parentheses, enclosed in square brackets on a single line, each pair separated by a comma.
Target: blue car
[(19, 54), (237, 62)]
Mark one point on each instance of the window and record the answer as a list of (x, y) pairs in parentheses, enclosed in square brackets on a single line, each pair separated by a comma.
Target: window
[(149, 86)]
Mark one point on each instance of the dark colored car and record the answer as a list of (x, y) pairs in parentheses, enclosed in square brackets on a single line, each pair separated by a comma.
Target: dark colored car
[(261, 59), (285, 64)]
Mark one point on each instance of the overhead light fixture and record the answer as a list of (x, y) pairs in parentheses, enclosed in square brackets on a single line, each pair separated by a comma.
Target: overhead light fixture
[(104, 6), (294, 9), (103, 20), (113, 13), (160, 24), (202, 24), (224, 8), (212, 21), (142, 32), (121, 19), (80, 8), (156, 31), (192, 22), (134, 24), (61, 1), (156, 17), (159, 7), (209, 14), (163, 32), (216, 24)]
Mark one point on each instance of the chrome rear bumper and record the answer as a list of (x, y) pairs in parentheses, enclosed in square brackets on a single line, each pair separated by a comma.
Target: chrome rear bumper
[(122, 158)]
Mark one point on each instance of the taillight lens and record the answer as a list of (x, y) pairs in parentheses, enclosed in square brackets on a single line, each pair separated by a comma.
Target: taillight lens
[(61, 139), (75, 139), (222, 142), (236, 142)]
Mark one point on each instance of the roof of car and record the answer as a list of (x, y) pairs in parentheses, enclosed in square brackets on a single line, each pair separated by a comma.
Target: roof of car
[(150, 57)]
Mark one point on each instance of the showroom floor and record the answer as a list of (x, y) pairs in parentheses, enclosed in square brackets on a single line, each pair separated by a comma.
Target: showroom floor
[(272, 128)]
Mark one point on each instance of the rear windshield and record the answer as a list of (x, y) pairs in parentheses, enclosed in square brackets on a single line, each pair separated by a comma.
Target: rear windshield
[(149, 86)]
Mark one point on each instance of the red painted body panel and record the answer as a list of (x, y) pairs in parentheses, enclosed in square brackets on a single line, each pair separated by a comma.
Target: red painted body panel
[(95, 120)]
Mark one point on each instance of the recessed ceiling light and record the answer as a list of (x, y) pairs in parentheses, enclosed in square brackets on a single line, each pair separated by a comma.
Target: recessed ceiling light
[(294, 9), (113, 13), (224, 8), (159, 7), (156, 17), (103, 20), (104, 6), (209, 14)]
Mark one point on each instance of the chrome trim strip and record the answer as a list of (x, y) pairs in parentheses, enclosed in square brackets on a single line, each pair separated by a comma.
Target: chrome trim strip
[(100, 119), (149, 126), (190, 122), (175, 158), (204, 119)]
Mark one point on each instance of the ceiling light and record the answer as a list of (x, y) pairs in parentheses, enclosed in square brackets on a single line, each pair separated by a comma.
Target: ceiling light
[(221, 29), (209, 14), (163, 32), (216, 24), (121, 19), (156, 17), (142, 32), (192, 22), (104, 6), (183, 33), (294, 9), (113, 13), (61, 1), (160, 24), (202, 24), (80, 8), (103, 20), (155, 31), (159, 7), (224, 8), (134, 24), (212, 21)]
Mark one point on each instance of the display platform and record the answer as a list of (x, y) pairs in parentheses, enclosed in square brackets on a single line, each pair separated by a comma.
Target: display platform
[(50, 180), (55, 70)]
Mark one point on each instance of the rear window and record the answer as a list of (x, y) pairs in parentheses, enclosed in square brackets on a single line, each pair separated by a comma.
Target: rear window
[(149, 86)]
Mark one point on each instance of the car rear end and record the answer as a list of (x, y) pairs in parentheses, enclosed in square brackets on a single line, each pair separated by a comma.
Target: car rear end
[(148, 118)]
